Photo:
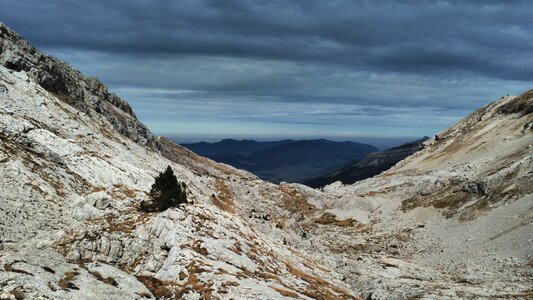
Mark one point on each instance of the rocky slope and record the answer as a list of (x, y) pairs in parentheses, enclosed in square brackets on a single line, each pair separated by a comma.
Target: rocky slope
[(462, 207), (452, 221), (372, 165), (73, 173)]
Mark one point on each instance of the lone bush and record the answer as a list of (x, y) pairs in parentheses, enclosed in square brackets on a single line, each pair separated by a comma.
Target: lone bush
[(166, 192)]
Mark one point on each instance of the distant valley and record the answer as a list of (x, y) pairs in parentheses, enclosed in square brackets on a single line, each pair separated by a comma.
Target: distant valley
[(285, 160), (372, 165)]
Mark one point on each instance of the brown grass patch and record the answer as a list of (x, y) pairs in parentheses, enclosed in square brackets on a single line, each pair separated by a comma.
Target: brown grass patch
[(95, 155), (18, 294), (197, 246), (145, 295), (182, 275), (193, 283), (522, 105), (55, 183), (66, 282), (34, 187), (122, 192), (268, 276), (317, 287), (229, 283), (295, 202), (284, 292), (96, 189), (236, 248), (108, 280), (159, 288), (330, 219), (224, 197), (10, 268), (110, 135), (113, 223)]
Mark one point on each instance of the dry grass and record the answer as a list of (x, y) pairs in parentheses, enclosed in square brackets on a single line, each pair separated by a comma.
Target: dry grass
[(244, 273), (145, 295), (236, 248), (284, 292), (113, 223), (182, 275), (66, 282), (295, 202), (108, 280), (10, 268), (159, 288), (18, 294), (229, 283), (224, 197), (330, 219), (36, 161), (451, 200), (96, 189), (318, 288), (34, 187), (55, 183), (198, 248), (122, 192), (94, 154), (372, 193), (194, 283), (522, 105), (110, 135)]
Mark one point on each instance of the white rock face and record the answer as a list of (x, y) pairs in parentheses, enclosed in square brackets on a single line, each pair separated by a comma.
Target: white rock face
[(71, 185), (451, 221)]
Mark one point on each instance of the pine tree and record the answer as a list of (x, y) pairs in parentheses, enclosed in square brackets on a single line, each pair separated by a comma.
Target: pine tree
[(166, 192)]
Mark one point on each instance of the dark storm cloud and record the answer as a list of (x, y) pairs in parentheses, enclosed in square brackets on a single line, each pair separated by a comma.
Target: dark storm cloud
[(417, 36), (341, 59)]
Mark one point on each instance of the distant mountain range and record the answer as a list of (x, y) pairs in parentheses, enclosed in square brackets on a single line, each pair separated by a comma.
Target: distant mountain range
[(285, 160), (231, 147), (372, 165)]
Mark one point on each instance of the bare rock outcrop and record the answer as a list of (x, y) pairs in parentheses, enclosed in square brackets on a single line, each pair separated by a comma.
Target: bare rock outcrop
[(87, 94)]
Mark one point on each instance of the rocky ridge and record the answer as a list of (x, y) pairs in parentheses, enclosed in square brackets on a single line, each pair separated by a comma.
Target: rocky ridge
[(452, 221), (87, 94)]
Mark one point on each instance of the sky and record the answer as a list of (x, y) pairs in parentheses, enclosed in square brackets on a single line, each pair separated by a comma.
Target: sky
[(290, 69)]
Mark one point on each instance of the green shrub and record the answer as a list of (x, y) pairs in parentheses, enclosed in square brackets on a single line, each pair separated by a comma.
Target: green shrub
[(166, 192)]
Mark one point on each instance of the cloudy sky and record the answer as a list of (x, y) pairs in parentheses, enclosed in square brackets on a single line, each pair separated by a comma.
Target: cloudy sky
[(269, 69)]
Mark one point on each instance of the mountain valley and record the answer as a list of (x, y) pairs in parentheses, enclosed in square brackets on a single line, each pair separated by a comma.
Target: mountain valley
[(371, 165), (454, 220), (285, 160)]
